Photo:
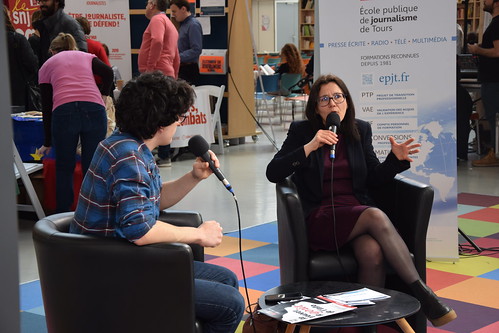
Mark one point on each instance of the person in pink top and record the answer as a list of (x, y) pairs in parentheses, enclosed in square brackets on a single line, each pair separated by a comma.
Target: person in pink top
[(159, 51), (73, 110)]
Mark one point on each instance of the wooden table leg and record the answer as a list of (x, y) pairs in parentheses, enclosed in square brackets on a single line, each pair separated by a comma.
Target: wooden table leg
[(305, 329), (290, 328), (404, 325)]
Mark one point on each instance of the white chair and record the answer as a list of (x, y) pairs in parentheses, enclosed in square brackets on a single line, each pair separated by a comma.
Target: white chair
[(217, 92), (22, 170)]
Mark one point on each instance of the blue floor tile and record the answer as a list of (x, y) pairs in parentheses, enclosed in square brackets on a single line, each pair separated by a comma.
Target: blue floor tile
[(267, 254), (264, 233), (30, 295)]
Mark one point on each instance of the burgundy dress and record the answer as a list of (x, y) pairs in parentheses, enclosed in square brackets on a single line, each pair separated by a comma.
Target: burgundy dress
[(347, 209)]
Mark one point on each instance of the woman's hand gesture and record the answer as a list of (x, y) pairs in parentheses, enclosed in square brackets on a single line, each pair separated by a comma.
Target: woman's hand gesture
[(403, 150)]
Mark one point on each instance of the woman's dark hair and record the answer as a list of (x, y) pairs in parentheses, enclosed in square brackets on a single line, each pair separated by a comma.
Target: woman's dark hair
[(85, 25), (348, 126), (36, 16), (150, 101), (293, 58)]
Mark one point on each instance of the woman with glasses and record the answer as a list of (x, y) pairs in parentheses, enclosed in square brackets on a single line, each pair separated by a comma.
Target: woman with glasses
[(305, 155)]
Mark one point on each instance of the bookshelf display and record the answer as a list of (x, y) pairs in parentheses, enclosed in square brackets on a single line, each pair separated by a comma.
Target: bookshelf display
[(306, 25), (475, 15)]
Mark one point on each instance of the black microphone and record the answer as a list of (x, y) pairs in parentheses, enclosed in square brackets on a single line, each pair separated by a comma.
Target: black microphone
[(332, 123), (199, 147)]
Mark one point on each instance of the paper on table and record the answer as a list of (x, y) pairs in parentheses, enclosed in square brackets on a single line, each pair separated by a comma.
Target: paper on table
[(363, 296), (303, 310)]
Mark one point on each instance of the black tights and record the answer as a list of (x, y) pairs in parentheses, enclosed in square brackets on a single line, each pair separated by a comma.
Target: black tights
[(373, 239)]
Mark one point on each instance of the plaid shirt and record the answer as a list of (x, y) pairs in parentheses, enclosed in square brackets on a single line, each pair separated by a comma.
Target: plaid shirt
[(120, 194)]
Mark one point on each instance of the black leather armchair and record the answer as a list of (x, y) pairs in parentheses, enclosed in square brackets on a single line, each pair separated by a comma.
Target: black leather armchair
[(408, 203), (95, 284)]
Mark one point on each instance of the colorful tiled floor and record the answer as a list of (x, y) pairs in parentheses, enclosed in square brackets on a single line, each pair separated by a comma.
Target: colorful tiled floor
[(470, 286)]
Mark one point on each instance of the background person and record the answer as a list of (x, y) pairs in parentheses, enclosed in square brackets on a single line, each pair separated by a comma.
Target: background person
[(190, 41), (97, 48), (73, 110), (159, 51), (93, 46), (55, 20), (292, 61), (123, 194), (34, 39), (23, 67), (359, 224), (488, 75)]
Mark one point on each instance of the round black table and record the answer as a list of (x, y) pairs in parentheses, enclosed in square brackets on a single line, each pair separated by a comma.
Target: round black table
[(395, 308)]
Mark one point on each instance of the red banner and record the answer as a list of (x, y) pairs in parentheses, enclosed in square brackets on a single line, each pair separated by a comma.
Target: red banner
[(20, 14)]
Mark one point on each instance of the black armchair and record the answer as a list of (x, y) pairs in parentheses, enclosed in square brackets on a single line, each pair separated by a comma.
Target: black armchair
[(408, 203), (95, 284)]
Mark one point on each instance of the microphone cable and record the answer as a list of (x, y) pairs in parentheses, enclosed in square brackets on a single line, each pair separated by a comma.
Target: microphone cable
[(334, 224), (240, 244)]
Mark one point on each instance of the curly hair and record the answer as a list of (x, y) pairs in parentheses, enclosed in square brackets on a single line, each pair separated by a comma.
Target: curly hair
[(293, 58), (150, 101), (348, 125)]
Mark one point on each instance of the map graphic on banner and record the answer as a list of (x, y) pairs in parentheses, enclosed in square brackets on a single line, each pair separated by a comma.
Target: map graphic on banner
[(398, 60)]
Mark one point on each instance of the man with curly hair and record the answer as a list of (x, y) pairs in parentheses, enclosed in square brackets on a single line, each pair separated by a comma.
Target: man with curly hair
[(122, 194)]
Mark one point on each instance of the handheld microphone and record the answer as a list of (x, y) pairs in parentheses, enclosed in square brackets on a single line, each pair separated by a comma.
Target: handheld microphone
[(332, 123), (199, 147)]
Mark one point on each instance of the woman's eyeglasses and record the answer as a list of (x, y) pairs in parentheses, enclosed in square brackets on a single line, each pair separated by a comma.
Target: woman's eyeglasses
[(337, 98)]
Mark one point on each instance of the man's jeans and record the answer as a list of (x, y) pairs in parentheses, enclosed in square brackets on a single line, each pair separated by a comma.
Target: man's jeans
[(219, 304), (84, 121)]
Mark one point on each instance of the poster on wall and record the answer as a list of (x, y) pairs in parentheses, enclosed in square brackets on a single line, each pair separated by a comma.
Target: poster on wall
[(399, 66), (197, 122), (110, 24), (108, 19), (20, 15)]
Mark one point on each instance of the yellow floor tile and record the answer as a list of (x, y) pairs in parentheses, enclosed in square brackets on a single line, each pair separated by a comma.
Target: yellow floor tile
[(230, 245), (475, 290), (472, 266)]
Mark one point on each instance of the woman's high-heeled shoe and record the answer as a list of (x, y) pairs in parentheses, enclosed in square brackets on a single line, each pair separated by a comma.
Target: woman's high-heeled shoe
[(437, 312)]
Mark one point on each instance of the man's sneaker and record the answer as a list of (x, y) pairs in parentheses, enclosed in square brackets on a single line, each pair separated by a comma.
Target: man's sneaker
[(164, 162), (490, 160)]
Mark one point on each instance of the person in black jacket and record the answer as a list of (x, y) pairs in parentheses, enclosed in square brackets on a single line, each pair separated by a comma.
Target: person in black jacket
[(34, 39), (343, 195), (23, 66), (55, 20)]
